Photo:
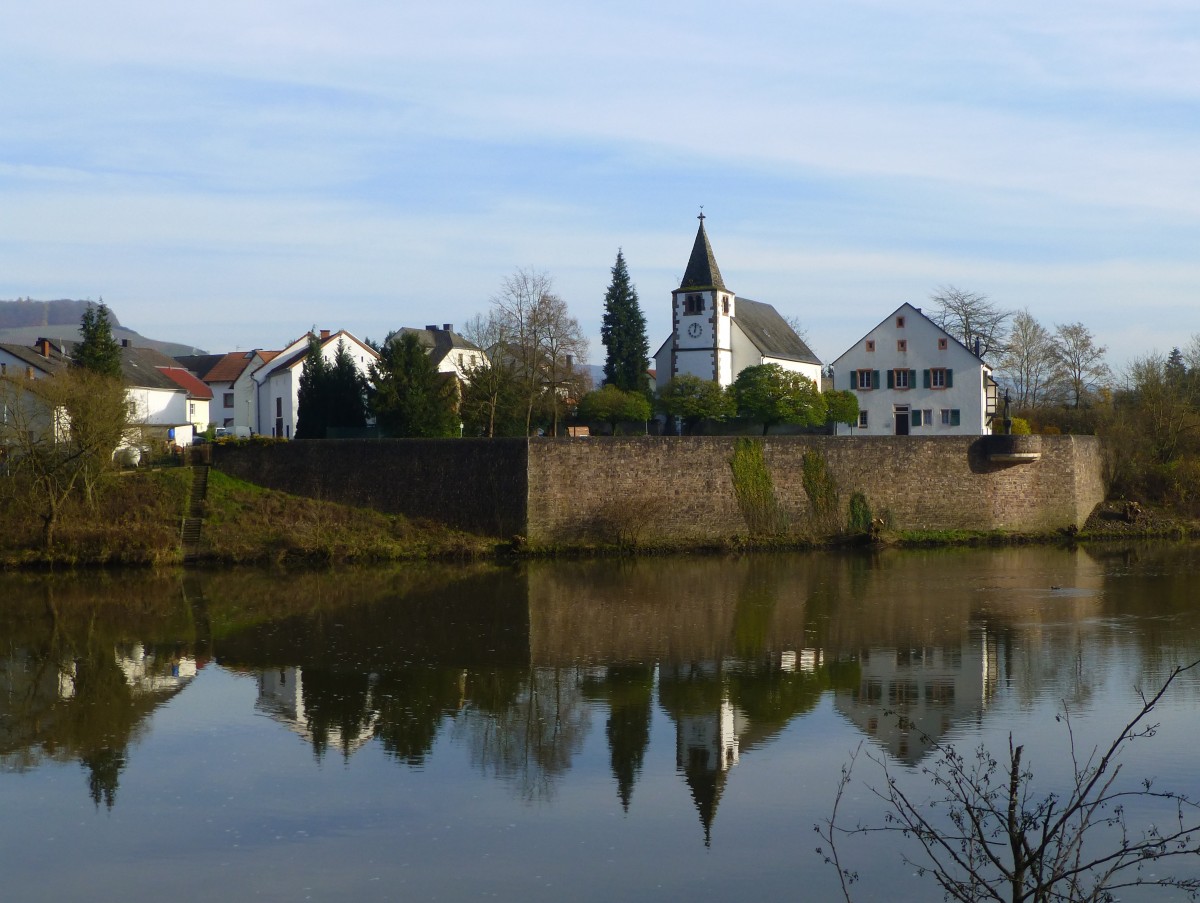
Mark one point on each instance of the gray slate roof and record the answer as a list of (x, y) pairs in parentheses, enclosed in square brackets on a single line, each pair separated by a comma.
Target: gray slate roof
[(440, 342), (702, 271), (33, 357), (770, 332)]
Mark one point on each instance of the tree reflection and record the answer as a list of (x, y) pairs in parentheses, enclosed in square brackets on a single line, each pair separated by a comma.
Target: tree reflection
[(629, 691), (530, 741), (76, 688)]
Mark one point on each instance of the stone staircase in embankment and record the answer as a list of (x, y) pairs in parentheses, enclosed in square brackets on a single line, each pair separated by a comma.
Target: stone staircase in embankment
[(193, 524)]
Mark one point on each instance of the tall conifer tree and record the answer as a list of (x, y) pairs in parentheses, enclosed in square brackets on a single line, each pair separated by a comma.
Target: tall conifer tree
[(97, 350), (623, 332)]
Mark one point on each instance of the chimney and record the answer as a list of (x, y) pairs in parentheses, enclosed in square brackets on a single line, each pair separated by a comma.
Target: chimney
[(432, 327), (449, 327), (977, 346), (44, 347), (324, 334)]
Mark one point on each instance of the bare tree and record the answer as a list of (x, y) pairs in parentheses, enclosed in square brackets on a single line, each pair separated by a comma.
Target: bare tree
[(57, 438), (1028, 364), (971, 317), (541, 339), (488, 397), (1079, 361), (1001, 840)]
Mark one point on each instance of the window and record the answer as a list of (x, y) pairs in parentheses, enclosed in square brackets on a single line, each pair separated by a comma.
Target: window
[(950, 417), (928, 418), (725, 304), (228, 399), (943, 344), (866, 379), (898, 379), (191, 410), (693, 304), (902, 345), (939, 378), (862, 420), (899, 322), (870, 345)]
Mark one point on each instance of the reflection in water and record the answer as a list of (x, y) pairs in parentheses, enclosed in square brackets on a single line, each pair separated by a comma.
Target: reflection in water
[(511, 665), (72, 683)]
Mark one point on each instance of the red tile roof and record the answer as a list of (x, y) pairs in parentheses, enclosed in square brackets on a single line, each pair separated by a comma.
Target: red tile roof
[(187, 381), (229, 367)]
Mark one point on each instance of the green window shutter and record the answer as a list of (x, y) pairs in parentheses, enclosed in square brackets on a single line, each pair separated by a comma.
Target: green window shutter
[(891, 379), (954, 417), (874, 379), (916, 417), (926, 378), (949, 378)]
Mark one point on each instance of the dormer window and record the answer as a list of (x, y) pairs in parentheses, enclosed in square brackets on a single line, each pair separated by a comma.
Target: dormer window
[(693, 304)]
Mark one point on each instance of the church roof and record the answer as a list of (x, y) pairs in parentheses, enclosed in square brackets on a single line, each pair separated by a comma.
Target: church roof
[(702, 270), (770, 332)]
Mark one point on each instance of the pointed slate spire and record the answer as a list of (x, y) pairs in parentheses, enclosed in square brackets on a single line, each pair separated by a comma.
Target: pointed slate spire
[(702, 270)]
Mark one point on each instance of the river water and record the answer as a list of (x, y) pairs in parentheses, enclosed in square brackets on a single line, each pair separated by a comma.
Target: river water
[(664, 729)]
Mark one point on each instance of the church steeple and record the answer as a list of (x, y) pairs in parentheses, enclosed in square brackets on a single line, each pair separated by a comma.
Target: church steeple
[(702, 271)]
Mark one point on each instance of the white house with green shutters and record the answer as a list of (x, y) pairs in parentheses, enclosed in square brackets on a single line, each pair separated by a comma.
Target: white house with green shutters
[(912, 377)]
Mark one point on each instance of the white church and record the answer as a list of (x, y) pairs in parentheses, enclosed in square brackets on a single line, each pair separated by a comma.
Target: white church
[(716, 335)]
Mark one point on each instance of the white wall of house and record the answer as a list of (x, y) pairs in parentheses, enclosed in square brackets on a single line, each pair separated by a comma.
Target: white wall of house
[(911, 376), (460, 361)]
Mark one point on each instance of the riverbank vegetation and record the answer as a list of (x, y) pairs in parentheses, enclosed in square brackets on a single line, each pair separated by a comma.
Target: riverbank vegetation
[(135, 519)]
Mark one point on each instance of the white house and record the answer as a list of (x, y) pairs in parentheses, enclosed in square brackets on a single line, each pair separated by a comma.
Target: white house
[(230, 377), (449, 352), (716, 335), (276, 399), (913, 377), (165, 401)]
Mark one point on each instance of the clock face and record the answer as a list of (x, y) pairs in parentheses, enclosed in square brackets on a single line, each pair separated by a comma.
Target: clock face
[(694, 330)]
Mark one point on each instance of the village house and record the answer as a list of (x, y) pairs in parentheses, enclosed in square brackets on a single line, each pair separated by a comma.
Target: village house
[(167, 402), (715, 334), (276, 390), (448, 351), (230, 377), (913, 377)]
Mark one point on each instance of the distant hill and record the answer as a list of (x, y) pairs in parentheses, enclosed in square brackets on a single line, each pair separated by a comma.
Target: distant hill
[(24, 321)]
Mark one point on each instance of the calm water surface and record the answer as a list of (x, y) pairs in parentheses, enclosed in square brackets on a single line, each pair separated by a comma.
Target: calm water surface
[(661, 730)]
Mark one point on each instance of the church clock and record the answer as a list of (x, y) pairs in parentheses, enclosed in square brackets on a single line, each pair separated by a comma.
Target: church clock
[(694, 330)]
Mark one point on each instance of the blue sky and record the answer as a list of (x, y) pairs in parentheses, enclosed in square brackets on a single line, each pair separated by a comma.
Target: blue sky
[(229, 174)]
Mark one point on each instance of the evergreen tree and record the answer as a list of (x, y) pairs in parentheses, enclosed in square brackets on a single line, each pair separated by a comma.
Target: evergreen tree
[(623, 333), (347, 392), (97, 350), (311, 408), (332, 395), (410, 397)]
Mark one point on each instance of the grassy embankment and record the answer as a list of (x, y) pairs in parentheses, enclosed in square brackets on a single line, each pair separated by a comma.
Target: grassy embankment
[(138, 518)]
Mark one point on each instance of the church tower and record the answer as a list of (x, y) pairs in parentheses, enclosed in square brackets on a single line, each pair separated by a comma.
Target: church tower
[(702, 314)]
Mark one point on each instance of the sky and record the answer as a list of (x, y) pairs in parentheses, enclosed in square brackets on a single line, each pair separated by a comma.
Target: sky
[(230, 174)]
